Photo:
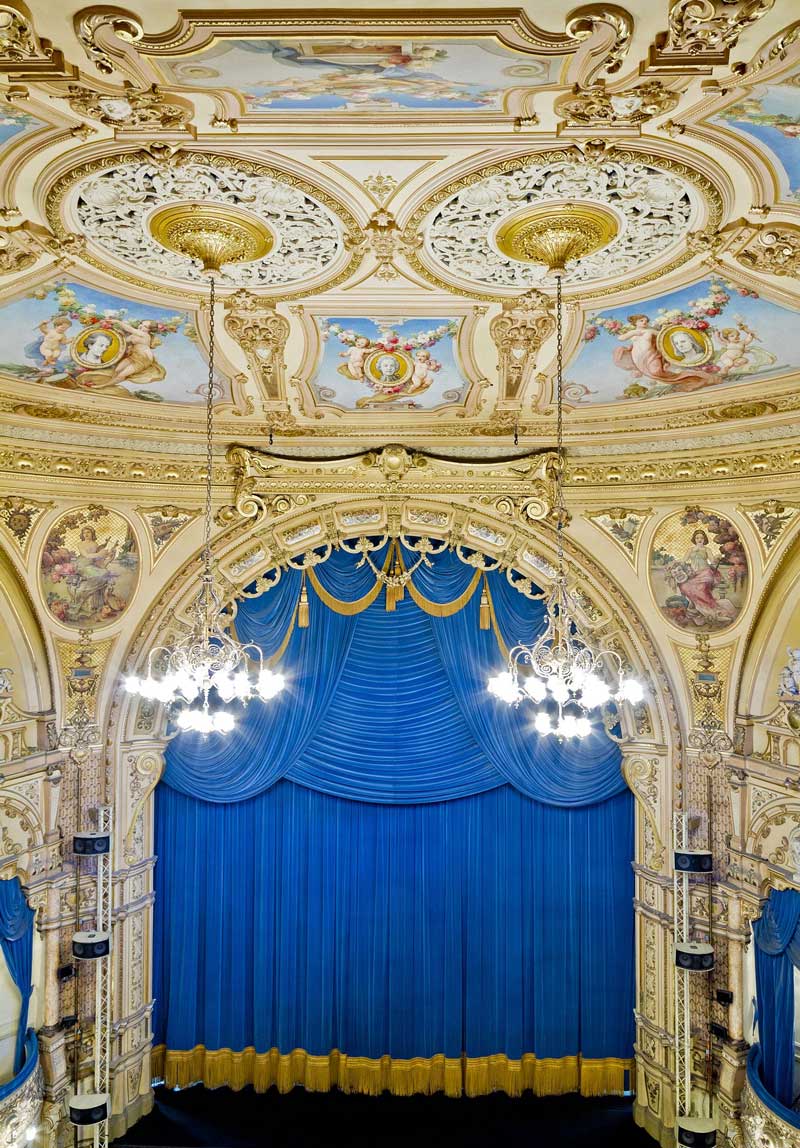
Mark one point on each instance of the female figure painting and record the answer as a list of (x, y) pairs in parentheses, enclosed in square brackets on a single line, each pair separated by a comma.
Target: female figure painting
[(76, 338), (699, 571), (89, 567)]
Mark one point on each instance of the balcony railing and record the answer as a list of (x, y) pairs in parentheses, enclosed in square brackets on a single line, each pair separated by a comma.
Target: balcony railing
[(765, 1121), (21, 1098)]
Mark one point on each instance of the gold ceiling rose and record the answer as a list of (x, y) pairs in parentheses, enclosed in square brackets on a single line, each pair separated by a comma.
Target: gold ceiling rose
[(554, 234), (214, 233)]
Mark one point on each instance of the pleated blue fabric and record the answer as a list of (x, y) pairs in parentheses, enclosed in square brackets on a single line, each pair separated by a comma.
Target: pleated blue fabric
[(777, 938), (16, 941), (391, 706), (484, 924), (386, 859)]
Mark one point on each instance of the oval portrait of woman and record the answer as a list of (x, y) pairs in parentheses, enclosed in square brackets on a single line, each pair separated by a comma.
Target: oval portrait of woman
[(699, 572), (685, 346)]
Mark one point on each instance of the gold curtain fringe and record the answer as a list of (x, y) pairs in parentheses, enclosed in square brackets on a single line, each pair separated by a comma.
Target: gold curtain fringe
[(470, 1076)]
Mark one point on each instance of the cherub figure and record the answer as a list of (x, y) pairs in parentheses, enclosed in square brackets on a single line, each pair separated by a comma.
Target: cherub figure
[(356, 357), (737, 355), (424, 366), (50, 347)]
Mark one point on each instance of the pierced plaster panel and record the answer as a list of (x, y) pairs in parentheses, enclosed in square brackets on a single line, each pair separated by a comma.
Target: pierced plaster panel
[(112, 206), (655, 208)]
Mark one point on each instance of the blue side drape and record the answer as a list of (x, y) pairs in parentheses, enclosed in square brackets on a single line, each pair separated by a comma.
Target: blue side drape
[(16, 941), (351, 722), (486, 924), (777, 939)]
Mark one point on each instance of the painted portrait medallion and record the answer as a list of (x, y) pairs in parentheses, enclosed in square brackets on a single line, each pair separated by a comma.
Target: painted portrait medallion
[(685, 346), (98, 348), (89, 568), (409, 364), (699, 573)]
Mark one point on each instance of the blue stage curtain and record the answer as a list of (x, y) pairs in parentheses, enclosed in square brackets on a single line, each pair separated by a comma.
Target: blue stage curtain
[(488, 924), (393, 863), (16, 941), (390, 706), (777, 939)]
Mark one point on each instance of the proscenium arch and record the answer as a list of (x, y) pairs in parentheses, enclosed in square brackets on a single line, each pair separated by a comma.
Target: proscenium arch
[(778, 608), (22, 643), (652, 759), (620, 620)]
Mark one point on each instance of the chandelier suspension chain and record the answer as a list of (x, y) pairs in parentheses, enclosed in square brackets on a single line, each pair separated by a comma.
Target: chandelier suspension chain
[(209, 668), (560, 509), (209, 430)]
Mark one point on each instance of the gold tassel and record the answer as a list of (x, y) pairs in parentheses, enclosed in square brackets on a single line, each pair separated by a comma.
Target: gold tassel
[(485, 616), (391, 597), (302, 608)]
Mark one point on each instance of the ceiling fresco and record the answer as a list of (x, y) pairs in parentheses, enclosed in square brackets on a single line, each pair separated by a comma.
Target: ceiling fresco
[(390, 156), (351, 74), (770, 114)]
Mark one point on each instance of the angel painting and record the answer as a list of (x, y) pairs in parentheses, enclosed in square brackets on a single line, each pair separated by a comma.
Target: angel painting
[(78, 339), (682, 344), (392, 364)]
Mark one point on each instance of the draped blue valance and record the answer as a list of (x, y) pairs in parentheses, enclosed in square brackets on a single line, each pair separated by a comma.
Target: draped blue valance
[(408, 681), (777, 938), (16, 941)]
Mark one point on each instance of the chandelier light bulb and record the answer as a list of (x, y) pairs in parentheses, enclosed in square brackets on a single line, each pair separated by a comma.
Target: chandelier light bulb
[(542, 723), (632, 691), (534, 687), (504, 686)]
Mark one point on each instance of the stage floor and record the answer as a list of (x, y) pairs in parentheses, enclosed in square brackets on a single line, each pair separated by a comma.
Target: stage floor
[(199, 1118)]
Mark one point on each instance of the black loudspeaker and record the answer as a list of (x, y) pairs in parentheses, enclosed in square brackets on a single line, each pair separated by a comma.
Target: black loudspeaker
[(694, 957), (89, 1108), (696, 1131), (90, 946), (693, 860), (90, 844)]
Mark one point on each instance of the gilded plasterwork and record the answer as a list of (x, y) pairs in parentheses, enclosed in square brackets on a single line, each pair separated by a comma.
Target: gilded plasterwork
[(681, 368)]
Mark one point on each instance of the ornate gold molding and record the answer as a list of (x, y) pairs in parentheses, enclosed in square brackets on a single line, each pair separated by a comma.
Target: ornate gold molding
[(390, 472), (177, 156), (131, 110), (261, 333), (23, 54), (518, 332), (704, 186), (701, 33), (598, 108)]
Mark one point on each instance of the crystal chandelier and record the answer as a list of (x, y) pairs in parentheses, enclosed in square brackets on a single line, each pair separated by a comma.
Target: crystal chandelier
[(564, 674), (208, 658)]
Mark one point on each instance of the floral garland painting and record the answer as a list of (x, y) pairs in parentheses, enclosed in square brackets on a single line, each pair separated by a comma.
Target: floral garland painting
[(699, 571), (89, 568), (72, 337), (408, 364), (699, 337)]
